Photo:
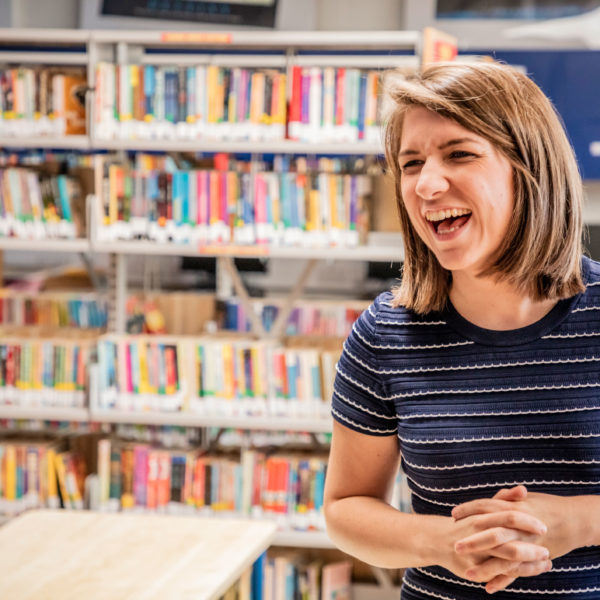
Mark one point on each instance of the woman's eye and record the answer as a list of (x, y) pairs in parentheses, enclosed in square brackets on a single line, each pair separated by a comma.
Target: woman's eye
[(461, 154), (411, 163)]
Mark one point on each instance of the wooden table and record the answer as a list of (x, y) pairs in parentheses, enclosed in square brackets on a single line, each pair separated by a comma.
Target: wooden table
[(72, 555)]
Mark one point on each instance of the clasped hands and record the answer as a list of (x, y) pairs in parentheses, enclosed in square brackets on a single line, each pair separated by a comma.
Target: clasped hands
[(514, 534)]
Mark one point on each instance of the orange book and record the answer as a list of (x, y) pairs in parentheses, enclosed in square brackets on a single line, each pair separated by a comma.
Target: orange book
[(164, 479), (152, 484), (75, 86), (127, 499), (199, 482)]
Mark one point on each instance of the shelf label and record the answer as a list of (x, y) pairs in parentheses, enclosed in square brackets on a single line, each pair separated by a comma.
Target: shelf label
[(195, 37), (233, 250)]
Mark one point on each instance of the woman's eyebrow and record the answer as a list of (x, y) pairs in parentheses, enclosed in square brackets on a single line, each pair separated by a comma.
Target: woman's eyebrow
[(443, 146)]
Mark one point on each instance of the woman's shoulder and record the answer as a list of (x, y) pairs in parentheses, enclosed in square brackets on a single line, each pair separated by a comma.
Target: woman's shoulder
[(591, 273), (385, 310)]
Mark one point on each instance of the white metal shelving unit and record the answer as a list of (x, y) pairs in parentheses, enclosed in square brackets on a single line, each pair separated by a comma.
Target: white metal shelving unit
[(191, 419), (43, 413), (49, 245), (291, 48)]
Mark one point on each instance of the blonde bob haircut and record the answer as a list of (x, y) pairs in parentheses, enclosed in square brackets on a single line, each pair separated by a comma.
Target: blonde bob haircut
[(541, 253)]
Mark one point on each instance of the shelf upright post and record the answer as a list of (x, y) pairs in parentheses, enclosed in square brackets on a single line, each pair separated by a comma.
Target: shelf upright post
[(117, 292), (90, 104)]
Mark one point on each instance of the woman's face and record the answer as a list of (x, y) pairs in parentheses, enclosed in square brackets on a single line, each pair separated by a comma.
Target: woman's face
[(457, 189)]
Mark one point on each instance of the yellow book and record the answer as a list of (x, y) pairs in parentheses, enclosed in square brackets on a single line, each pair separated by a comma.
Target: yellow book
[(228, 372), (113, 178), (52, 485), (212, 76), (10, 473), (312, 221), (282, 100), (257, 382), (144, 387), (241, 372), (69, 384), (61, 477)]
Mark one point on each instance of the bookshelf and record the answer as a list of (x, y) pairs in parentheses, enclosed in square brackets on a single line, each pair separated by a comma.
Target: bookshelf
[(277, 51)]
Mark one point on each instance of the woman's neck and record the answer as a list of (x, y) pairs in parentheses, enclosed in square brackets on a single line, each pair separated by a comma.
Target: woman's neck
[(495, 305)]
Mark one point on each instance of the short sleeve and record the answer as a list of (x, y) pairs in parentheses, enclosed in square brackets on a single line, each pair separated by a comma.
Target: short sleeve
[(359, 401)]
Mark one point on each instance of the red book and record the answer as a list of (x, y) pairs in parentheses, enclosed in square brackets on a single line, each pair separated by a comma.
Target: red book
[(295, 108), (199, 482), (340, 94), (171, 375)]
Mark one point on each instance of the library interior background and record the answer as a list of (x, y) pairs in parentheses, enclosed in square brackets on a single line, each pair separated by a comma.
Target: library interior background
[(189, 227)]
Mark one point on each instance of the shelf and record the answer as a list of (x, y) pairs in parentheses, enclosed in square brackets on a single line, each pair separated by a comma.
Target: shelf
[(193, 420), (65, 142), (258, 39), (44, 36), (241, 147), (374, 253), (49, 58), (48, 245), (302, 539), (44, 413)]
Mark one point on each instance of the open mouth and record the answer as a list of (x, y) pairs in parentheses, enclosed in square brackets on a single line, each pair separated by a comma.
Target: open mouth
[(448, 221)]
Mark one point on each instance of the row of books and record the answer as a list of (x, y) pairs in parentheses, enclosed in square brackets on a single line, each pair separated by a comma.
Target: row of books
[(213, 207), (293, 576), (53, 309), (38, 474), (42, 101), (44, 370), (335, 105), (214, 376), (213, 102), (205, 101), (139, 476), (34, 205), (308, 317)]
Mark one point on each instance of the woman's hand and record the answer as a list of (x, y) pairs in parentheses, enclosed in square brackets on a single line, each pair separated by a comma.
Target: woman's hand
[(516, 550), (555, 511)]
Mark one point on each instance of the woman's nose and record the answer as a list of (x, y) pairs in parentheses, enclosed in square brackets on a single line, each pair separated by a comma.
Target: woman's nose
[(432, 181)]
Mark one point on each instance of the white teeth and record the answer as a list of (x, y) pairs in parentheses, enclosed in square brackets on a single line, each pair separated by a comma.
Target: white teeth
[(440, 215)]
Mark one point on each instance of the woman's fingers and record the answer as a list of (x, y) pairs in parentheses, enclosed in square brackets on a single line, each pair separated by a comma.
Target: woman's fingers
[(494, 568), (510, 519), (521, 551), (481, 506), (514, 494), (499, 583), (523, 570)]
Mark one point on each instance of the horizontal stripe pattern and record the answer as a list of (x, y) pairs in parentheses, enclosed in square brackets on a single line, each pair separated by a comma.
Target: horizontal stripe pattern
[(476, 411)]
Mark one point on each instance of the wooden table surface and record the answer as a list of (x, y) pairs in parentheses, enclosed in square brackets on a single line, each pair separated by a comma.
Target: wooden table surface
[(73, 555)]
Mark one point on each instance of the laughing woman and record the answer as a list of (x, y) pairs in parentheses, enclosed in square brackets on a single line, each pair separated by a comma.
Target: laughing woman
[(480, 373)]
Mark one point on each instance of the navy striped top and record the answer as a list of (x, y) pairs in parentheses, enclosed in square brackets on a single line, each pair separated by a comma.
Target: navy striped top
[(477, 410)]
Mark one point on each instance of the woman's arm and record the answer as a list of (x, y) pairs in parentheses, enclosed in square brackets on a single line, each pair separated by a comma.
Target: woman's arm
[(360, 475)]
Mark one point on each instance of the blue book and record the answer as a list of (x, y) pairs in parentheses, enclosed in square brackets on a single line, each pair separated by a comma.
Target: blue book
[(176, 197), (258, 577), (362, 101), (319, 487), (170, 95), (149, 88), (63, 193), (291, 375), (184, 190), (316, 383), (190, 81)]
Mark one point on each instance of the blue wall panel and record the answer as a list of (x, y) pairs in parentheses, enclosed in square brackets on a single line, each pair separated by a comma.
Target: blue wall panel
[(571, 79)]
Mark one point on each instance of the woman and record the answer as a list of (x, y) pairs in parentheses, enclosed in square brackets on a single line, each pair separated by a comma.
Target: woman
[(482, 369)]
